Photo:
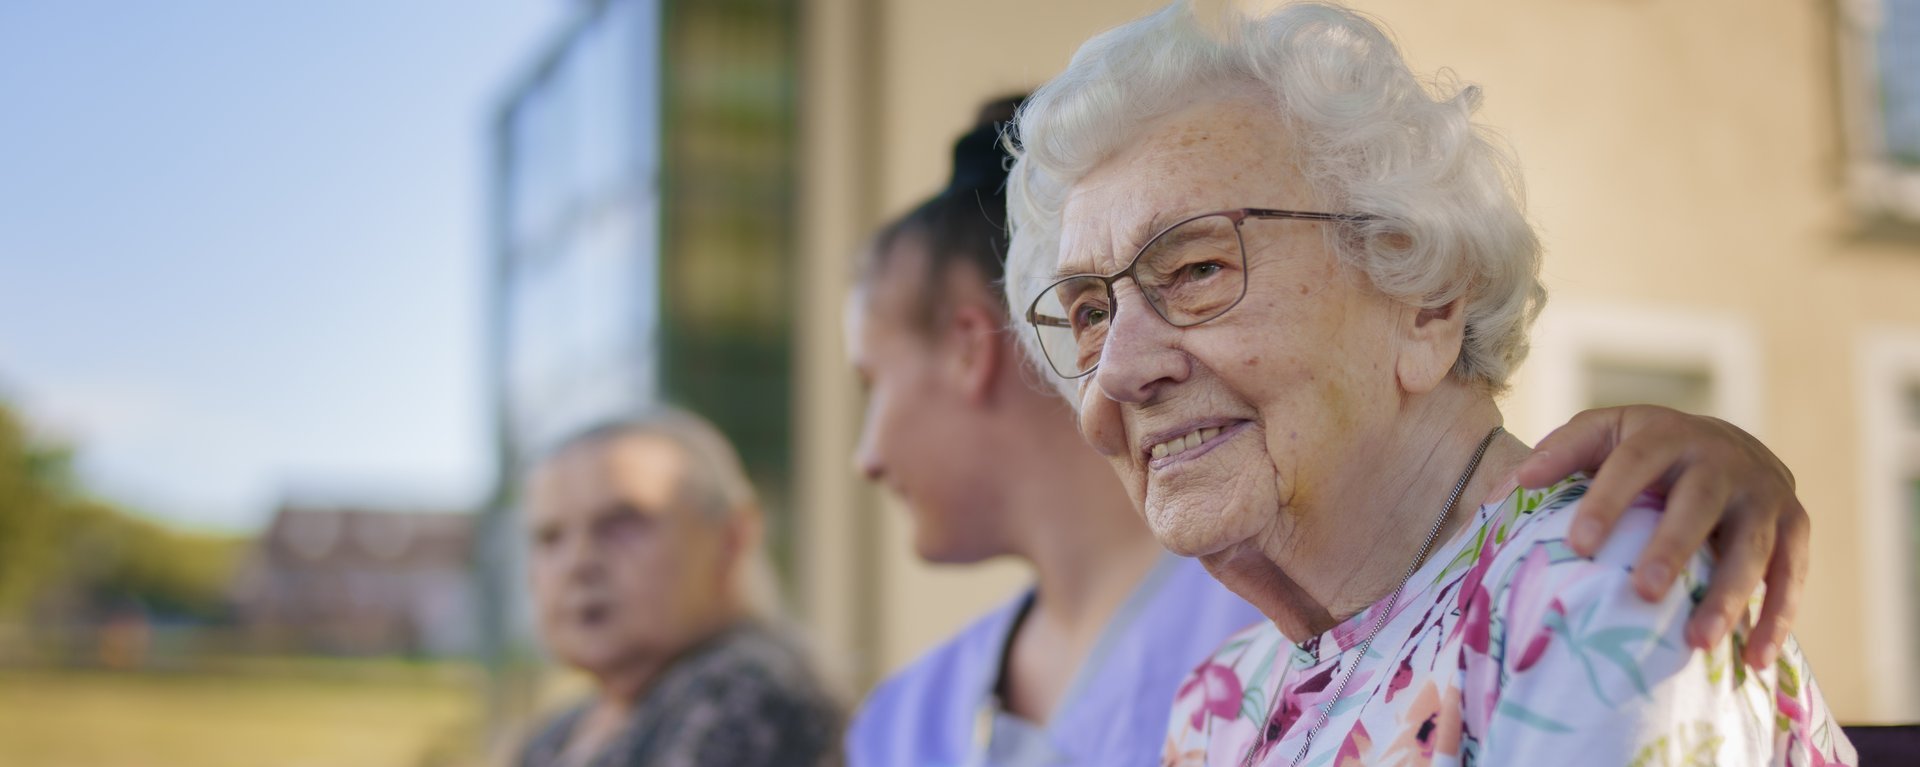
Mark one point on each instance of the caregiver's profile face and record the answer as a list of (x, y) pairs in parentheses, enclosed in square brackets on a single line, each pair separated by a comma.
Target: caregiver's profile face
[(1218, 428), (918, 436)]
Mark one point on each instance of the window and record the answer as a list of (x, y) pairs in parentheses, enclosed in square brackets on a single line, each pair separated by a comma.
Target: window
[(1889, 413), (1612, 382), (1880, 73), (1596, 355)]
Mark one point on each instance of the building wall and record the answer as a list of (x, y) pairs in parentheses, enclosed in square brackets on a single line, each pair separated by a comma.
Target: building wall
[(1684, 164)]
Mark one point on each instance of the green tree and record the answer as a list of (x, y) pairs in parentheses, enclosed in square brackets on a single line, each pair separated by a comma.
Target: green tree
[(57, 541)]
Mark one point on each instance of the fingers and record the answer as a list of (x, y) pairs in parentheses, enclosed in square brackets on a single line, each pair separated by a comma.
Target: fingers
[(1747, 550), (1580, 445), (1786, 575), (1629, 470), (1693, 508)]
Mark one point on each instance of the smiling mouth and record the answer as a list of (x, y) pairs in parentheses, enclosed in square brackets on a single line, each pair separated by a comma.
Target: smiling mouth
[(1192, 444)]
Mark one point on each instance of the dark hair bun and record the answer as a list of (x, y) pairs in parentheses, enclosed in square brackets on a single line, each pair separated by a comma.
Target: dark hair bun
[(980, 157)]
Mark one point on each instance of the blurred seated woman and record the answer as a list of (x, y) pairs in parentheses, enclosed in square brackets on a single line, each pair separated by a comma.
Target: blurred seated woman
[(1282, 280)]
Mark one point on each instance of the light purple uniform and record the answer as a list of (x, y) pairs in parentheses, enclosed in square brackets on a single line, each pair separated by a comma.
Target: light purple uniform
[(941, 711)]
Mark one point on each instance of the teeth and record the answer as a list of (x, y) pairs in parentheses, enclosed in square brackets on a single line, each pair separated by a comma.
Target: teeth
[(1185, 442)]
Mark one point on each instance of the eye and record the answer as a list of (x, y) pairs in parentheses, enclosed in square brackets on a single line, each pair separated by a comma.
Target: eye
[(629, 522), (1201, 271), (1088, 315)]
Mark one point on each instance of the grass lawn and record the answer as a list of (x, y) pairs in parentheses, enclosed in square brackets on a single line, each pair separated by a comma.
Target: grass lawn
[(304, 714)]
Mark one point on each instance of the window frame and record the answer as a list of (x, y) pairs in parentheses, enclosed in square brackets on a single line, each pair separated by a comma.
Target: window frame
[(1877, 185), (1570, 337), (1888, 369)]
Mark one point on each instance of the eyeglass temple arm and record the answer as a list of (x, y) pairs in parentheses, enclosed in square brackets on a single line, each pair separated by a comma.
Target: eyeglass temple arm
[(1308, 215), (1048, 320)]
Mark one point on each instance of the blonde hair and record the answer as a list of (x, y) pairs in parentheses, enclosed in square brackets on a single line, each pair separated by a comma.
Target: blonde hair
[(716, 486)]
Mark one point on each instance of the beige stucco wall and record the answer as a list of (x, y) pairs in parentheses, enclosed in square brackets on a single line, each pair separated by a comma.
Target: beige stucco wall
[(1683, 159)]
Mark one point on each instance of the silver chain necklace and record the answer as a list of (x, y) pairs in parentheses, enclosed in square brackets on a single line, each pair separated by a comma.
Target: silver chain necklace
[(1326, 711)]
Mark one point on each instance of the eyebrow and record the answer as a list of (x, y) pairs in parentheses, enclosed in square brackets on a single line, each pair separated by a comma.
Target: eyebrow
[(1153, 225)]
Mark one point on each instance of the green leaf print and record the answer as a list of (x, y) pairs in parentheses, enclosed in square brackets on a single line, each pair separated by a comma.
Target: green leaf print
[(1249, 701), (1530, 718), (1789, 677), (1609, 645), (1688, 746)]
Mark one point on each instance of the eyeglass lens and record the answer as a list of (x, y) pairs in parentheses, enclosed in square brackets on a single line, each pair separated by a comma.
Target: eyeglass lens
[(1189, 274)]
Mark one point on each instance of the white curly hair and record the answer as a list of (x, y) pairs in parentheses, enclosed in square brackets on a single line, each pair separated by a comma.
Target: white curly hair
[(1448, 221)]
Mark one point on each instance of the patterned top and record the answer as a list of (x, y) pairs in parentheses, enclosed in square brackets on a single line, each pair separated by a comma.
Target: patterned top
[(1508, 648), (745, 698)]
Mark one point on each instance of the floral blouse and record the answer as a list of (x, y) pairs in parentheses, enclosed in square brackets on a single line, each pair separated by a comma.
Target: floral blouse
[(1508, 648)]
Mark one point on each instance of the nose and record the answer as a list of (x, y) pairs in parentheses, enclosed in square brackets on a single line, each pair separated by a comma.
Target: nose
[(580, 558), (1141, 352)]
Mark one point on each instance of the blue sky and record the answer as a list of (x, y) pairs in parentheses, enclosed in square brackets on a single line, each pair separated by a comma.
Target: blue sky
[(242, 244)]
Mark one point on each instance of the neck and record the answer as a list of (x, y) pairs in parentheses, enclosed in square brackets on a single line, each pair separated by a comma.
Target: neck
[(1089, 548), (1328, 558), (622, 686), (621, 690), (1088, 545)]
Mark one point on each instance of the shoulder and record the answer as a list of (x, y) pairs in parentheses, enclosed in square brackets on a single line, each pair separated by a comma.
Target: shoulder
[(1561, 655), (1523, 540), (549, 737), (1529, 572), (1219, 688), (1190, 618), (1230, 637), (931, 701), (754, 657), (751, 696), (1539, 619)]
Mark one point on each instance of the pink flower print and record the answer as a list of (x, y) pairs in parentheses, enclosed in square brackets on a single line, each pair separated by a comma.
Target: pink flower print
[(1316, 691), (1219, 691), (1536, 646), (1401, 678), (1352, 630), (1527, 617), (1353, 750), (1476, 618), (1789, 707), (1430, 724)]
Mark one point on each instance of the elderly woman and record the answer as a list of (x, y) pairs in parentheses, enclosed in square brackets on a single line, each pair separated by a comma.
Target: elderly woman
[(1282, 281)]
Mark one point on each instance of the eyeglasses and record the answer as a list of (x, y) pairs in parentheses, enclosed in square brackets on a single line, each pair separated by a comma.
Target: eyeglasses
[(1191, 272)]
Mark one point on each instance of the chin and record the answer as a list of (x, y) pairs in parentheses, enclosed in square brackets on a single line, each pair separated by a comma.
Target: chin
[(1202, 526), (1186, 533), (935, 550)]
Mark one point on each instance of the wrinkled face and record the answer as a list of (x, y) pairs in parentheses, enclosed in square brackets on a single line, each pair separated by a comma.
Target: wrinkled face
[(623, 570), (1253, 413), (921, 437)]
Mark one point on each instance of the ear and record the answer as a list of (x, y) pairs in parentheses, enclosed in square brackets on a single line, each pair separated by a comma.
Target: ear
[(740, 536), (1430, 342), (976, 350)]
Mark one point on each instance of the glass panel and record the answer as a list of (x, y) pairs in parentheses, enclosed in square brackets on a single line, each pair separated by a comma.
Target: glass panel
[(1899, 65), (533, 147), (727, 270), (1616, 382)]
